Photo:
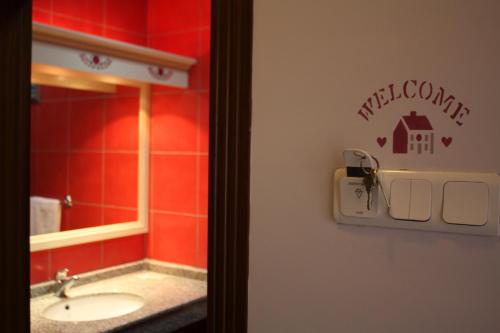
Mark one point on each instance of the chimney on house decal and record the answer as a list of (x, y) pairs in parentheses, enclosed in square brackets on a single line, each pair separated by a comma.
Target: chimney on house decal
[(413, 133)]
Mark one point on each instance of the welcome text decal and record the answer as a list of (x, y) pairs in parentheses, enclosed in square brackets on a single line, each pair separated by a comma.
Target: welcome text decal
[(412, 89), (414, 132)]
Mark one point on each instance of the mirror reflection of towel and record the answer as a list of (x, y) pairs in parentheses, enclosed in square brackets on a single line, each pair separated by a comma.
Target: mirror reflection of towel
[(45, 215)]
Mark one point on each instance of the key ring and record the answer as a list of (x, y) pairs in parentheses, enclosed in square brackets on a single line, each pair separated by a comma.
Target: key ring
[(373, 172), (363, 168)]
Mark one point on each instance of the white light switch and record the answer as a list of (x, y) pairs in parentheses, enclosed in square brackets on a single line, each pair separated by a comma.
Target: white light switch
[(420, 200), (411, 199), (400, 199), (465, 203)]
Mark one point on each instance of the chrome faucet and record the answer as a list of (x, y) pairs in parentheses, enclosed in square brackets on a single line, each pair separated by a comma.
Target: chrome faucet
[(64, 282)]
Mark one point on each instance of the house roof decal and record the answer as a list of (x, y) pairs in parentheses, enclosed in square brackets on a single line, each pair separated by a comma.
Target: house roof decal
[(414, 122)]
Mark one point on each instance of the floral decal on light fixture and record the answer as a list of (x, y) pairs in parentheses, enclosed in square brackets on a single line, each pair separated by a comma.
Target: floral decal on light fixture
[(95, 61), (160, 73)]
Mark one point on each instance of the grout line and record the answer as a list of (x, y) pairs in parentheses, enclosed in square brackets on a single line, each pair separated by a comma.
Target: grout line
[(101, 263), (147, 26), (202, 91), (148, 19), (103, 159), (149, 244), (199, 14), (68, 157), (180, 31), (104, 14), (198, 77), (93, 204), (93, 23), (49, 263), (51, 12), (103, 106), (85, 151), (184, 153), (198, 238), (198, 58), (198, 169), (169, 212), (188, 90), (152, 174)]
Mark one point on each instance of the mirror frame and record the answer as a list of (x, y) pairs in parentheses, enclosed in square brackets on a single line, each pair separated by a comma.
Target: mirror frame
[(93, 234)]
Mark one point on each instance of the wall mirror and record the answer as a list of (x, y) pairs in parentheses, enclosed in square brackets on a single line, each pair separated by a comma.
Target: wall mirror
[(89, 159), (90, 135)]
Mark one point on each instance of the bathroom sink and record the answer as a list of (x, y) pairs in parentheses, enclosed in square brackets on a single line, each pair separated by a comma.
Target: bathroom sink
[(93, 307)]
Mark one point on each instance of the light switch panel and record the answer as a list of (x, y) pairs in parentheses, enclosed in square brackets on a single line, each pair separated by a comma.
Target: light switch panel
[(465, 203), (457, 202)]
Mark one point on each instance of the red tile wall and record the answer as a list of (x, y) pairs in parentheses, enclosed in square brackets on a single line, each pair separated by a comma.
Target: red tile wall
[(116, 19), (179, 134), (87, 257)]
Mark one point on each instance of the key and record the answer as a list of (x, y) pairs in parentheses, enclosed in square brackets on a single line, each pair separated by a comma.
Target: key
[(369, 182)]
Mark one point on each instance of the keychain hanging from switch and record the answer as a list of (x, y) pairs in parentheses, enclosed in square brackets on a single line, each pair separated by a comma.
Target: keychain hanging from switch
[(357, 159), (360, 163)]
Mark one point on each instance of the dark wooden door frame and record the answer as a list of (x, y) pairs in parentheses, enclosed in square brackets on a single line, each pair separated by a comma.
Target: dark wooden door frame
[(15, 64), (230, 121), (229, 182)]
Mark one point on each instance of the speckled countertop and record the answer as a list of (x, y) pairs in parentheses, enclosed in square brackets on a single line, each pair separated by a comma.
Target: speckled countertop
[(161, 293)]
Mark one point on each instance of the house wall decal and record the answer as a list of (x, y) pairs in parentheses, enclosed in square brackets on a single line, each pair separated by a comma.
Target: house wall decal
[(413, 133)]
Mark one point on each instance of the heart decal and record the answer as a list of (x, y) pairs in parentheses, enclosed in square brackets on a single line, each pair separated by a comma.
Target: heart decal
[(381, 141), (446, 140)]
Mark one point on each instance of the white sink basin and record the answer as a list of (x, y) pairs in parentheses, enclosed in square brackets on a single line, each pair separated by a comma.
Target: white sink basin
[(93, 307)]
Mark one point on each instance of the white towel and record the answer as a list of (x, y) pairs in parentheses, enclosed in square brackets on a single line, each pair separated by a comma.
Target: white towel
[(45, 215)]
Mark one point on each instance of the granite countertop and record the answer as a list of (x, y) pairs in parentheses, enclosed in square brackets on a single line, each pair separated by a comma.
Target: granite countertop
[(162, 293)]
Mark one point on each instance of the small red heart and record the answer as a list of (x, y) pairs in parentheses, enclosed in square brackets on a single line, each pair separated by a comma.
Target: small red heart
[(381, 141), (446, 140)]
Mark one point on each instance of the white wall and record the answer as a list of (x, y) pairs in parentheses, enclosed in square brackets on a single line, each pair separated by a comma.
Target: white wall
[(315, 63)]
